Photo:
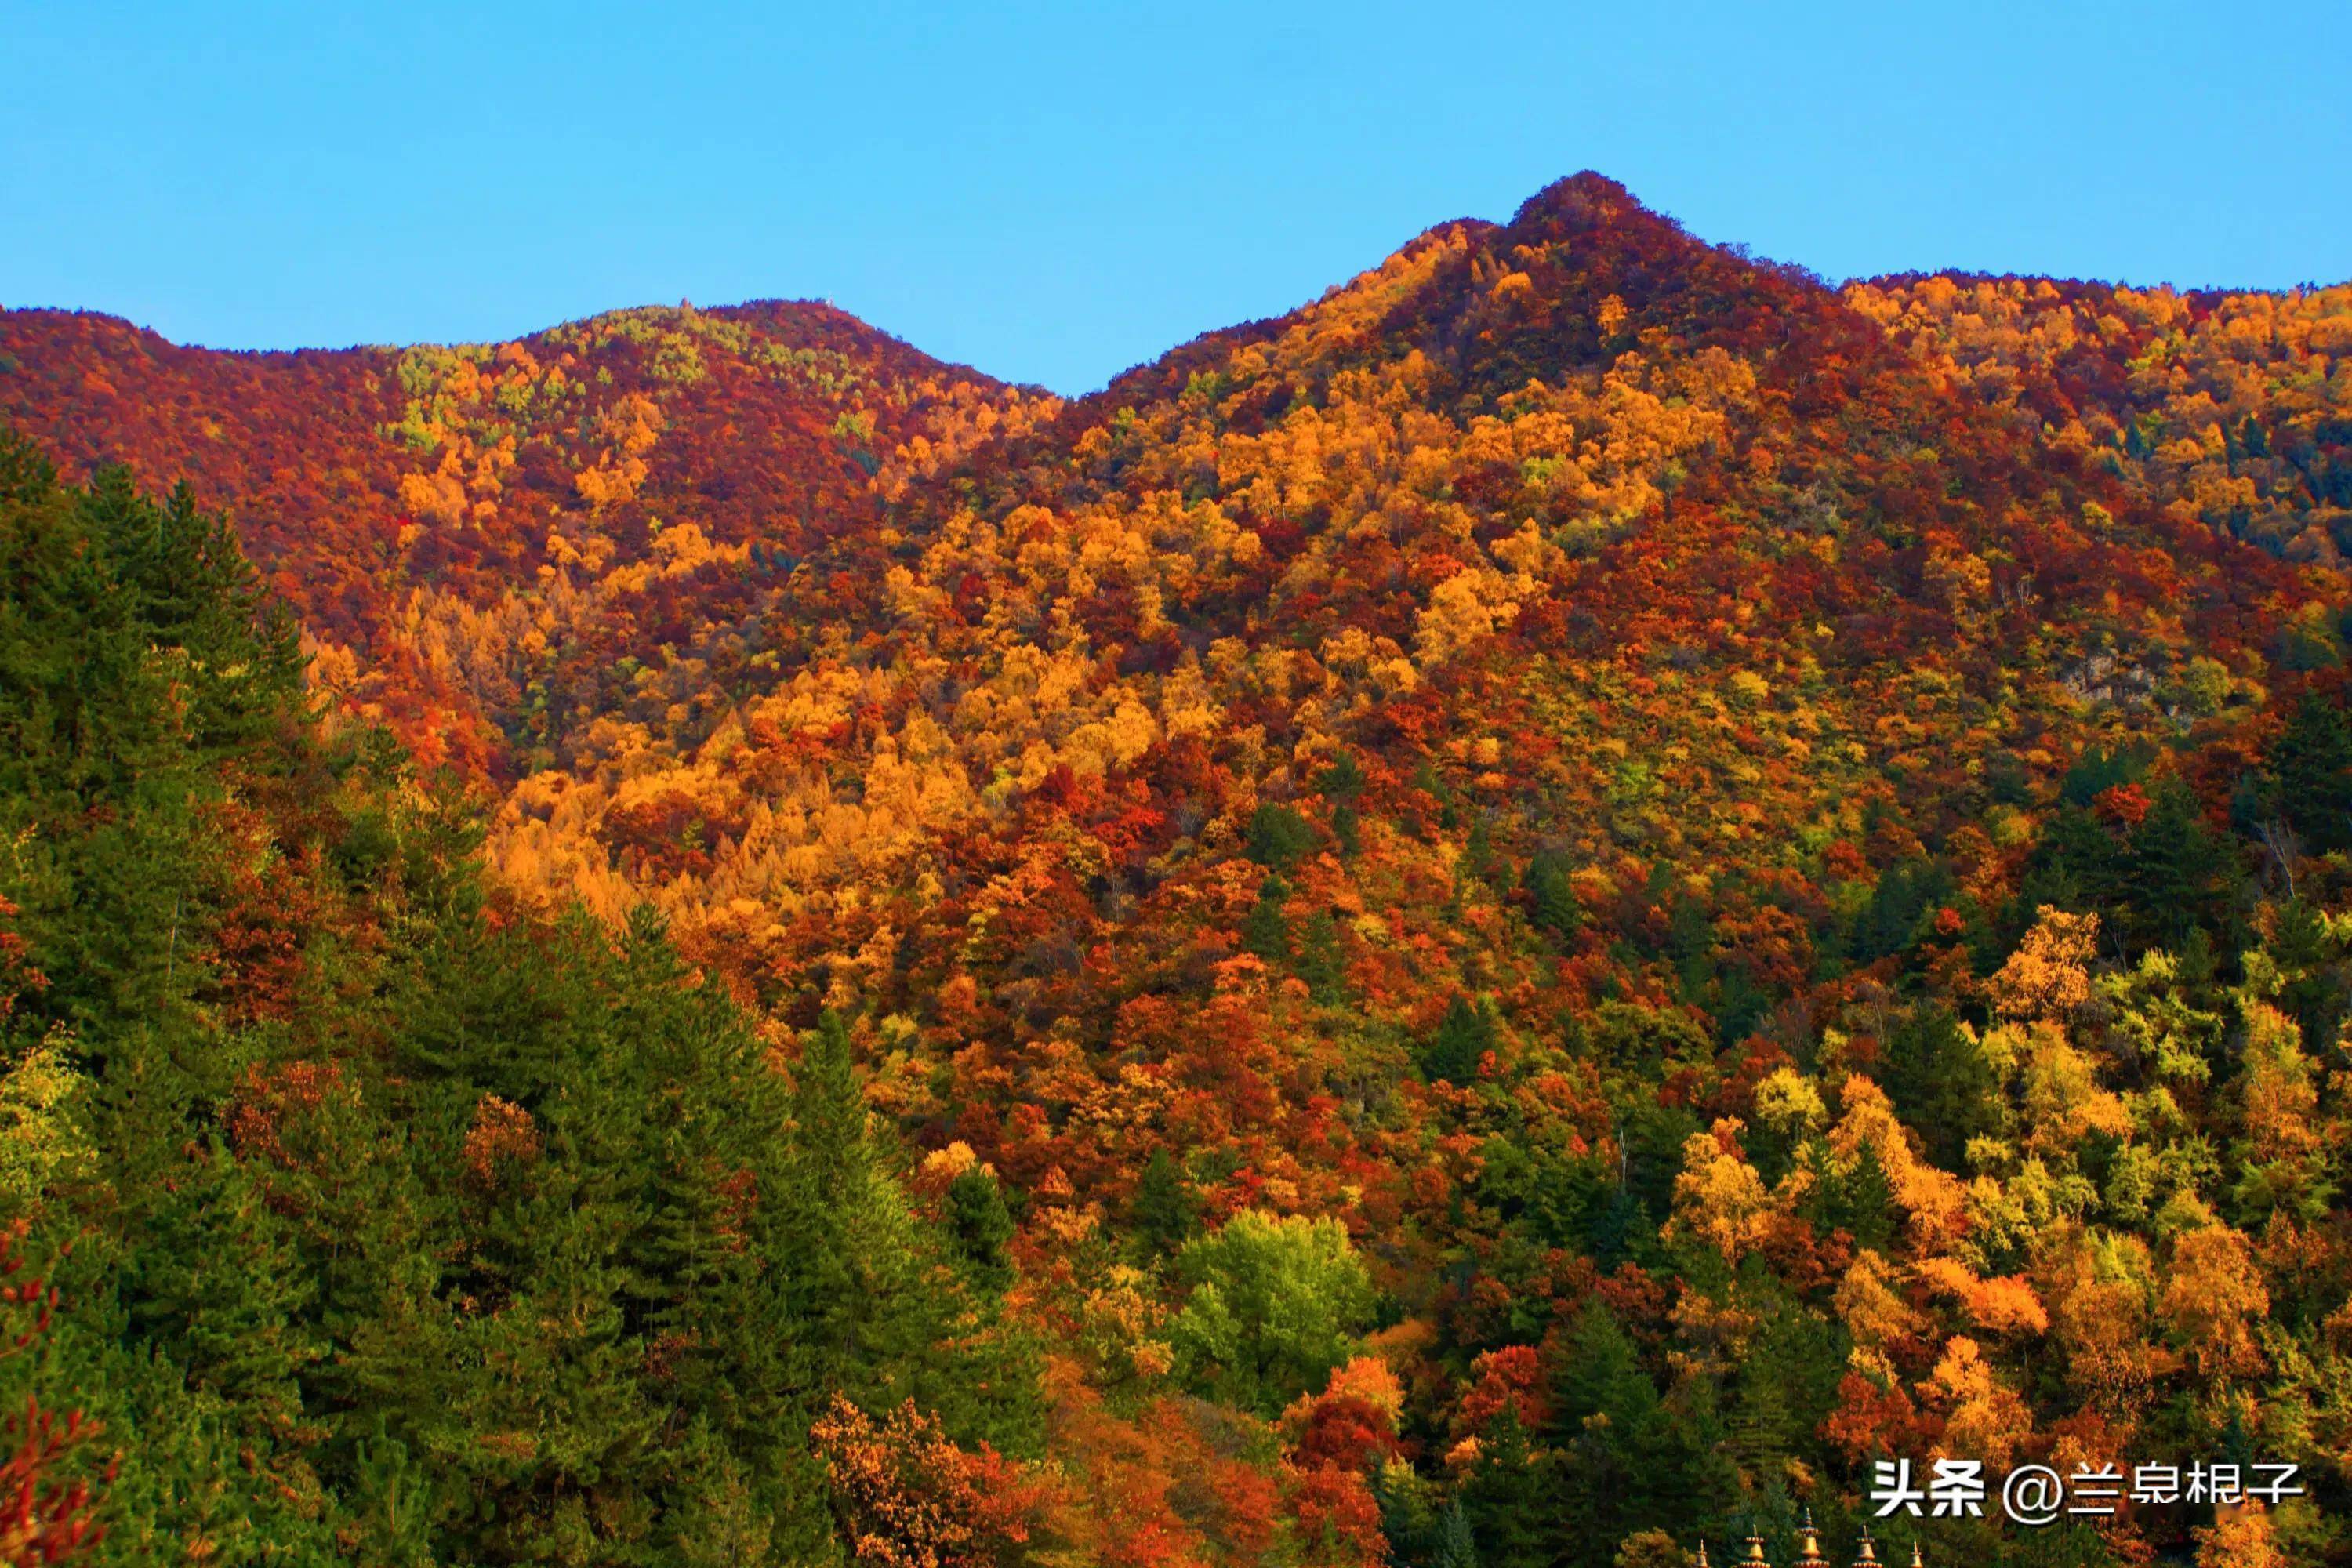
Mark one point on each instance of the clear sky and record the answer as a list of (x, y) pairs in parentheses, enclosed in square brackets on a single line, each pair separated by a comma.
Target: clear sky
[(1053, 193)]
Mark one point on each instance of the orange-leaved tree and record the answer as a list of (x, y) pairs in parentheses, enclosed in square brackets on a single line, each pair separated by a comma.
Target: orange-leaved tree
[(908, 1497)]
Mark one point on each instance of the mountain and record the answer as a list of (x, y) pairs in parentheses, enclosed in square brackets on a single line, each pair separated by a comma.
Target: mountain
[(398, 496), (1570, 892)]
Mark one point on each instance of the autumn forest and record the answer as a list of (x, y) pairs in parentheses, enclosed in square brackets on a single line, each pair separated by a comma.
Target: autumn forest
[(1542, 911)]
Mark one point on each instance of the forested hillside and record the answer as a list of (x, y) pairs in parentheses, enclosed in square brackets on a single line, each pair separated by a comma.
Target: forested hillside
[(475, 534), (1529, 913), (374, 1218)]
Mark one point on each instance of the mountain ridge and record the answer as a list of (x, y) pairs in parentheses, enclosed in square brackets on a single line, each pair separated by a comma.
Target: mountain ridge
[(384, 445)]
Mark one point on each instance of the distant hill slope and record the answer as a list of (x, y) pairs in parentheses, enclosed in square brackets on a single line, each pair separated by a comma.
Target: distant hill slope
[(400, 495), (2233, 407)]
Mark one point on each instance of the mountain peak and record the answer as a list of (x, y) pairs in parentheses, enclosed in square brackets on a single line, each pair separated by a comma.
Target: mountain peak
[(1581, 192), (1584, 202)]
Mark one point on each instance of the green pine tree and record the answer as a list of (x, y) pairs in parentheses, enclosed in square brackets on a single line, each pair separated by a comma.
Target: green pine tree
[(1165, 1211)]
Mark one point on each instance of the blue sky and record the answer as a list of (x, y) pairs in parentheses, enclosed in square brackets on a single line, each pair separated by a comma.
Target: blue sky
[(1053, 193)]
